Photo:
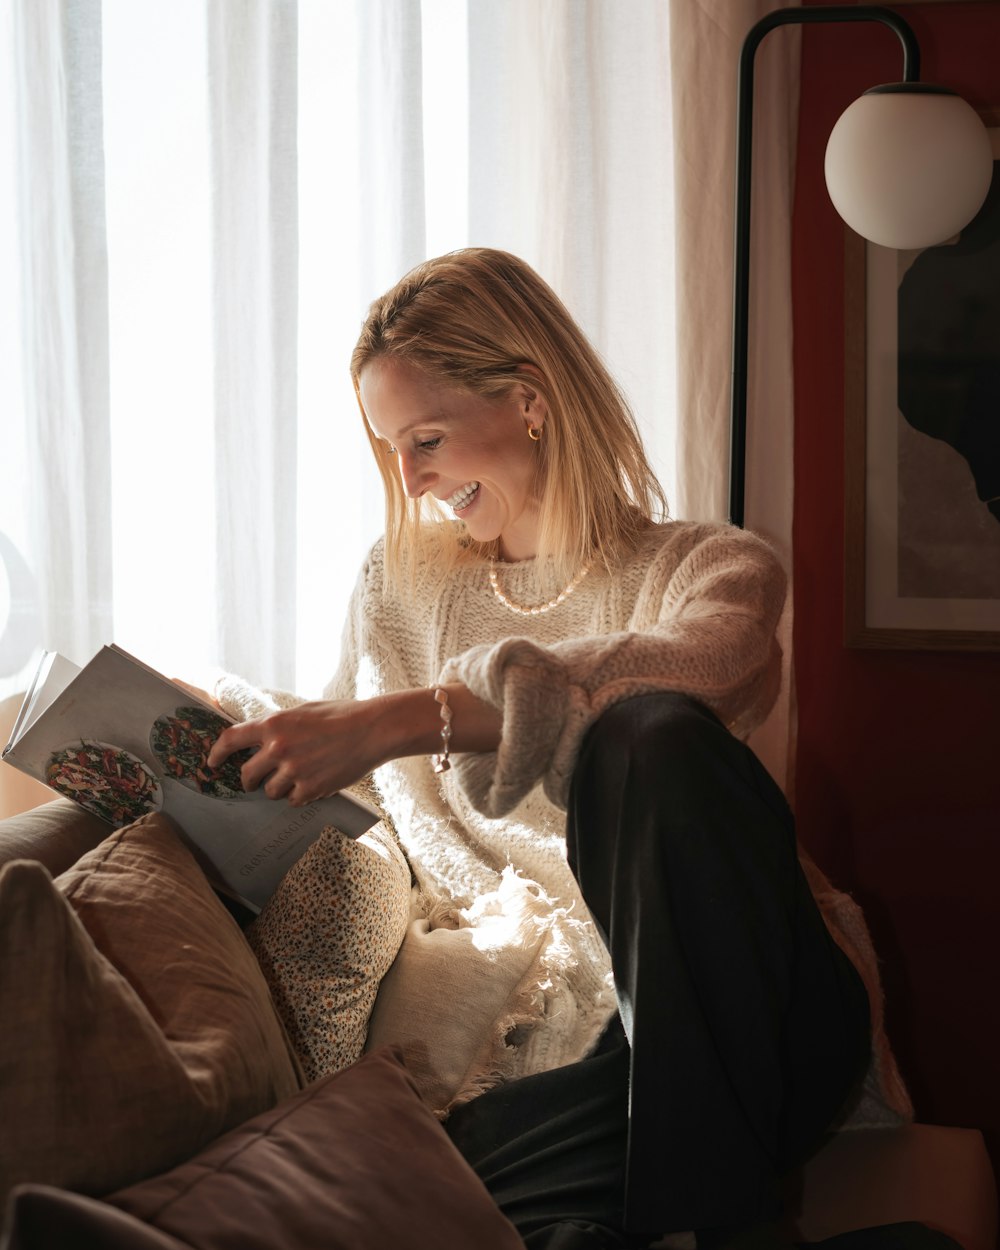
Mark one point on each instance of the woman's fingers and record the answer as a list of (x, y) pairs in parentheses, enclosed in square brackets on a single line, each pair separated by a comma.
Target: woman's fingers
[(235, 738), (278, 786), (274, 765), (257, 769), (302, 753)]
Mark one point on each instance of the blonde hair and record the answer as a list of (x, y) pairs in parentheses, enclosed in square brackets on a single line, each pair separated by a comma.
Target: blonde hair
[(478, 320)]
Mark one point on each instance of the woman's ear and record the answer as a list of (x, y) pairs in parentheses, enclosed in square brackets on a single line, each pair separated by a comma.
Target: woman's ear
[(531, 399), (534, 411)]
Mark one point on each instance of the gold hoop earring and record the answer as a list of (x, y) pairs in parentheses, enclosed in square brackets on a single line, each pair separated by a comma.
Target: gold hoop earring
[(535, 433)]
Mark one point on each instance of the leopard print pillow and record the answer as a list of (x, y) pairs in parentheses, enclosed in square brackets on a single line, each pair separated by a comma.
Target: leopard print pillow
[(327, 936)]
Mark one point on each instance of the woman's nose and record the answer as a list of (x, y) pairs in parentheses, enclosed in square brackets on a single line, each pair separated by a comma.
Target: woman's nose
[(415, 480)]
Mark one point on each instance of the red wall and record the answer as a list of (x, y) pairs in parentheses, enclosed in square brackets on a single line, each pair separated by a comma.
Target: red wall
[(898, 773)]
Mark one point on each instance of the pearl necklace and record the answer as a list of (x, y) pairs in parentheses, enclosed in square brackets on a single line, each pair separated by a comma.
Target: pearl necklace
[(538, 609)]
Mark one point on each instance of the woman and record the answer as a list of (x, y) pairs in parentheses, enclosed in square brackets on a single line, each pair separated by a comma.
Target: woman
[(582, 675)]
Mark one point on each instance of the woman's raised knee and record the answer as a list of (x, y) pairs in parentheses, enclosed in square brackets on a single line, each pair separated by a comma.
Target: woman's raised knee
[(648, 729)]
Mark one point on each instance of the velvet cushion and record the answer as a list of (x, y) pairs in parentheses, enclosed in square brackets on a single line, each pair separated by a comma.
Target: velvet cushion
[(355, 1161), (40, 1217), (138, 1025), (55, 834), (325, 939)]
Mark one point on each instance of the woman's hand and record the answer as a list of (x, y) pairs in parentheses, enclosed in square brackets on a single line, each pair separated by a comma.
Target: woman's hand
[(316, 749), (307, 752)]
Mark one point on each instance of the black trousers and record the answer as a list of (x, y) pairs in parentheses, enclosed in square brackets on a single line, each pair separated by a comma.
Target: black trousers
[(743, 1028)]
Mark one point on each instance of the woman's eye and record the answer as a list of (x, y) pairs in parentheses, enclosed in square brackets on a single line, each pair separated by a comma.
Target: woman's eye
[(429, 444)]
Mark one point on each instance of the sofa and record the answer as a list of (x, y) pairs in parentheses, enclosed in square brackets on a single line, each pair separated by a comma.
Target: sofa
[(157, 1099)]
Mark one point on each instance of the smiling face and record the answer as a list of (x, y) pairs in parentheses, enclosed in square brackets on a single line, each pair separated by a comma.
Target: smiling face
[(471, 453)]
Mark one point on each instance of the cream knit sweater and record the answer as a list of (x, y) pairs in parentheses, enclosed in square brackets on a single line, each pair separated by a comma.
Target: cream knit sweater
[(695, 609)]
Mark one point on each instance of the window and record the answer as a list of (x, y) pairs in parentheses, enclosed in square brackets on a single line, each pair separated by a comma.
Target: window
[(193, 481)]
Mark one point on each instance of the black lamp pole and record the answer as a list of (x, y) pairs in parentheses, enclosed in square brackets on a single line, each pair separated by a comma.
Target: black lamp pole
[(741, 246)]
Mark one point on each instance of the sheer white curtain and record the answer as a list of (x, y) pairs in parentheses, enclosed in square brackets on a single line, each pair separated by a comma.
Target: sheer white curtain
[(252, 79), (711, 33), (205, 196), (58, 470), (571, 167)]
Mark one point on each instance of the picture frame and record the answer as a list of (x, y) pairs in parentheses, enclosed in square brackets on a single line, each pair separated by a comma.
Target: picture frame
[(922, 551)]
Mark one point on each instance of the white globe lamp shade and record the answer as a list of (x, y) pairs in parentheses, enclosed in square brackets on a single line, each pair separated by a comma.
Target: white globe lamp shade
[(908, 165)]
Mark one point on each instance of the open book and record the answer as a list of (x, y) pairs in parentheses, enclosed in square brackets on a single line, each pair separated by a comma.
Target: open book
[(122, 740)]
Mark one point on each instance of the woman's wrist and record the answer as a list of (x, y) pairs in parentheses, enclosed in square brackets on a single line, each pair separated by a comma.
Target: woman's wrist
[(411, 724)]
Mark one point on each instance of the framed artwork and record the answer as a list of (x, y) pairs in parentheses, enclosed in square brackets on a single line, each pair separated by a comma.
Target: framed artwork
[(923, 438)]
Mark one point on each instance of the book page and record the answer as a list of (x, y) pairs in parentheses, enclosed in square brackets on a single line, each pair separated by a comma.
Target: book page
[(52, 676)]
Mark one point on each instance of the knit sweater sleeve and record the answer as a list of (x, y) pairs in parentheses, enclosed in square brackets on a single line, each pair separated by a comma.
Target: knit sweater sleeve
[(708, 631), (241, 700)]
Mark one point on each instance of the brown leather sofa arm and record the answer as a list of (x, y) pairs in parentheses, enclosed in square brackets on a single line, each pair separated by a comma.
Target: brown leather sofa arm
[(55, 834)]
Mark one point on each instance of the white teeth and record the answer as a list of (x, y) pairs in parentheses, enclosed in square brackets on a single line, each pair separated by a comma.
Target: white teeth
[(463, 496)]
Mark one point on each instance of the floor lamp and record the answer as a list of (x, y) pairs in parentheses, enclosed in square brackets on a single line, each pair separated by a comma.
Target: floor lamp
[(907, 165)]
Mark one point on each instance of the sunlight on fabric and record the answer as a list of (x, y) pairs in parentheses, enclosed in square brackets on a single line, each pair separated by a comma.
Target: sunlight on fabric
[(340, 502), (160, 335), (339, 498), (13, 478), (445, 54)]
